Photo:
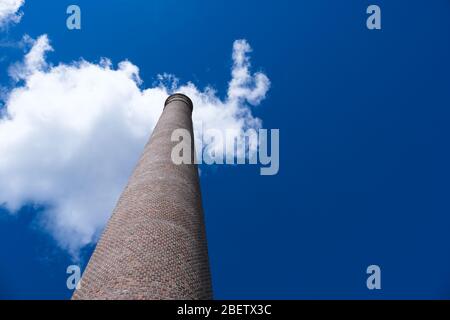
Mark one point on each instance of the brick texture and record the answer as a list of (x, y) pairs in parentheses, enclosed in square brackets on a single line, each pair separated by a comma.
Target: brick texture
[(154, 246)]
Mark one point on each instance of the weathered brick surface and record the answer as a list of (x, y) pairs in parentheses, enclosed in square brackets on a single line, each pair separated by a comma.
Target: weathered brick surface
[(154, 246)]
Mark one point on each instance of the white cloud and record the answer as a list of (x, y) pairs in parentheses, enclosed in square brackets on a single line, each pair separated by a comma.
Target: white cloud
[(243, 85), (72, 133), (9, 11), (34, 60)]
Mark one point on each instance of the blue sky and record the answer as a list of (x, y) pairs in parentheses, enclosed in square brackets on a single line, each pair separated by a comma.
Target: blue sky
[(363, 152)]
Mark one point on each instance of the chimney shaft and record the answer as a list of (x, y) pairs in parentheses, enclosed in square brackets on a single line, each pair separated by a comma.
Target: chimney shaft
[(154, 246)]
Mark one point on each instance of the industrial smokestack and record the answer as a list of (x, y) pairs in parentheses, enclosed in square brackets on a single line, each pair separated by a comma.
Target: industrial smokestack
[(154, 246)]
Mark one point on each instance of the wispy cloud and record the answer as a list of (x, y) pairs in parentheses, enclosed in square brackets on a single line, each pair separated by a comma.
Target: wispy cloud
[(9, 11), (34, 60)]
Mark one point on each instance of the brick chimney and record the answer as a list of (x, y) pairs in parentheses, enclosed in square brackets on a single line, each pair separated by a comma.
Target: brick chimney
[(154, 246)]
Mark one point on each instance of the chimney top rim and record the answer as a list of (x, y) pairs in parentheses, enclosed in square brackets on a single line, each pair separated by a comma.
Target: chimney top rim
[(180, 97)]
